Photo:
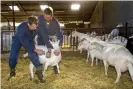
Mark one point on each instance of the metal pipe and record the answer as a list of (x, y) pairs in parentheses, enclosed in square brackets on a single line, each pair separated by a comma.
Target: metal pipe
[(7, 21), (126, 28), (4, 17), (22, 8), (13, 15)]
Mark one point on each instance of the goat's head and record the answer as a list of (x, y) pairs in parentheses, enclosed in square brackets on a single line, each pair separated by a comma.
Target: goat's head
[(80, 46), (55, 44), (83, 45), (97, 46)]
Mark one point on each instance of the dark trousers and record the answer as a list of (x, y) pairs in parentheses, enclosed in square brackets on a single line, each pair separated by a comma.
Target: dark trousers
[(15, 48)]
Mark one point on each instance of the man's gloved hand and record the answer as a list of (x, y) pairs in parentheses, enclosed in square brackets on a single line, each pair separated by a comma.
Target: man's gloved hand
[(48, 53), (38, 51)]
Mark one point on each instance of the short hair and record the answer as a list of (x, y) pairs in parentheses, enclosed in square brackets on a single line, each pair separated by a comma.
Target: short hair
[(32, 20), (48, 11)]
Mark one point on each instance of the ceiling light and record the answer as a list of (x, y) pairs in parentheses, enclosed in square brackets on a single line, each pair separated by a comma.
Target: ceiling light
[(15, 8), (61, 24), (75, 6), (86, 22), (17, 24), (43, 7)]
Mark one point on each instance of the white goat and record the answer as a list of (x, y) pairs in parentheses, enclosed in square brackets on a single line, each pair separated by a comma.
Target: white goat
[(117, 56), (80, 35), (52, 61), (85, 44)]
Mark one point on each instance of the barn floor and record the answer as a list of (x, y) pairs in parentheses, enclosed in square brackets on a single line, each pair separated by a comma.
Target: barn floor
[(75, 74)]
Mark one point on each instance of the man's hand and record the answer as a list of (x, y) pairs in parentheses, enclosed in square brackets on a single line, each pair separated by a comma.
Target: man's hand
[(48, 53), (57, 52), (38, 51)]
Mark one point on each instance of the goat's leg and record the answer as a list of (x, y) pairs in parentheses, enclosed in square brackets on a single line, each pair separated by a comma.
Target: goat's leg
[(45, 66), (96, 61), (92, 60), (88, 55), (31, 66), (58, 69), (118, 74), (81, 51), (106, 65), (130, 68), (43, 69)]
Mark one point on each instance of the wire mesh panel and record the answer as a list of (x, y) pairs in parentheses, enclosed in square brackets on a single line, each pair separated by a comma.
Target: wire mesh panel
[(66, 38), (6, 40)]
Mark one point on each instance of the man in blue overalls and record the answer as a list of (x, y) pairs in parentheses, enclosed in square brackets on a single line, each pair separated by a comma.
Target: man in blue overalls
[(24, 36), (47, 29)]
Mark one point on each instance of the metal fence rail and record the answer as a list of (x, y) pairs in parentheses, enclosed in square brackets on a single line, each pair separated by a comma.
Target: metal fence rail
[(69, 42)]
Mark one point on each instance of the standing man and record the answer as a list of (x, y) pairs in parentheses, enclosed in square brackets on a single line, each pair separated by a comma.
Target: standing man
[(48, 28), (24, 36)]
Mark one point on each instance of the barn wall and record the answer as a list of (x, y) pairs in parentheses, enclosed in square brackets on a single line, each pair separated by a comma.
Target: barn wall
[(96, 18), (112, 13), (116, 12)]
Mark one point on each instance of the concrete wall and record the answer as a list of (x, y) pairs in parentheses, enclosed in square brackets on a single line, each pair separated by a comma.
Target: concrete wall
[(116, 12), (112, 13)]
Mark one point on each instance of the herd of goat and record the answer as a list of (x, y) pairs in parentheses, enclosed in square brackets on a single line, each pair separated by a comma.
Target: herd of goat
[(109, 48)]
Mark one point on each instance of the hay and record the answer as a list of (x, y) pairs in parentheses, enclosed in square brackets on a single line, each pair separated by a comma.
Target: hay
[(75, 74)]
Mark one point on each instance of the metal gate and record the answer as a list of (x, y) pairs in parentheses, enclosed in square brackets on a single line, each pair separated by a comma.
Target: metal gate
[(6, 40)]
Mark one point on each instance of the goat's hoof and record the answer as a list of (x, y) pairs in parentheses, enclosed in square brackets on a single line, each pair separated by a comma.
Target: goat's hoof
[(30, 79), (42, 81), (115, 82), (56, 72), (106, 75)]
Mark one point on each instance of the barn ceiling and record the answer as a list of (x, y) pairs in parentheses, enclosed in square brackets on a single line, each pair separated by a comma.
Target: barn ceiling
[(62, 10)]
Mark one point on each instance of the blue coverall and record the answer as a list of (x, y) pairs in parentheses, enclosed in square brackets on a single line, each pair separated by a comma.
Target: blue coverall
[(23, 37), (45, 30)]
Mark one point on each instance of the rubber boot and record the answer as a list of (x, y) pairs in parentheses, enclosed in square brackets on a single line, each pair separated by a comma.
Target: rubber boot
[(12, 73), (39, 74)]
